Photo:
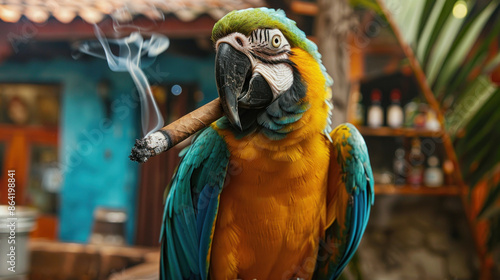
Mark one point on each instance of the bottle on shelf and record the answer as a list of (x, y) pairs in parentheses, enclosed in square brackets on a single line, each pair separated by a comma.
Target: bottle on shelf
[(359, 114), (416, 161), (395, 112), (421, 117), (433, 175), (411, 111), (399, 165), (375, 117), (432, 122)]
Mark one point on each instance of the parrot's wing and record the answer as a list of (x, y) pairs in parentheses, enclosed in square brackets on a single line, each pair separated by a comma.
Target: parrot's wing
[(350, 196), (191, 208)]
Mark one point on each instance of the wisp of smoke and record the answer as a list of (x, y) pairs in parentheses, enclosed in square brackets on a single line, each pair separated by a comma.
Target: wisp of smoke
[(135, 53)]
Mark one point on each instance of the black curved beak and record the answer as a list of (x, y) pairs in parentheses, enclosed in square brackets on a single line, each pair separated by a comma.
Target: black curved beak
[(236, 85)]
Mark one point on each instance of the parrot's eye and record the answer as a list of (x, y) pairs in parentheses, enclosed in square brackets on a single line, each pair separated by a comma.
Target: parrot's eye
[(276, 41)]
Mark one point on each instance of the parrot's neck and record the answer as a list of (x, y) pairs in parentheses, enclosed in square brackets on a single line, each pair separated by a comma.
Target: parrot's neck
[(295, 118)]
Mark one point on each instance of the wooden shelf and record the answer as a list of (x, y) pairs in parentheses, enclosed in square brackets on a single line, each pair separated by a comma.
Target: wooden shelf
[(391, 132), (388, 71), (304, 8), (421, 190)]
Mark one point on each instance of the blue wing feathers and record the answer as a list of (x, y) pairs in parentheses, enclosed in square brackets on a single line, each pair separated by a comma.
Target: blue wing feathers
[(173, 268), (357, 177), (355, 234), (191, 208), (187, 244)]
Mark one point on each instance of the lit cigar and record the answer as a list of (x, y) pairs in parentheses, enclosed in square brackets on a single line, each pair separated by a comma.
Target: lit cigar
[(174, 133)]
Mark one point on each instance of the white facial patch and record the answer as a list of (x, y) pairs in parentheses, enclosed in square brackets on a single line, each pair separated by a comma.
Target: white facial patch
[(278, 76)]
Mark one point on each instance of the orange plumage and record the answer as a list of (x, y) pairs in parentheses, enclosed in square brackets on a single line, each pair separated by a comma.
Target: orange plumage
[(272, 212)]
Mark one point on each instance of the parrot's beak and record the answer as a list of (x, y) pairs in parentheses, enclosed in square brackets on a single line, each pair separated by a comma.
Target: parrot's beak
[(237, 86), (231, 70)]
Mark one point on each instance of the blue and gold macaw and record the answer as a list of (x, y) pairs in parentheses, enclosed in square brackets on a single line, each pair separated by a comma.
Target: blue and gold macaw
[(268, 191)]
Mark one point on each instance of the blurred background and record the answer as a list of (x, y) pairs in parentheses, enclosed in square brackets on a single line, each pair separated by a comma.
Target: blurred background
[(420, 80)]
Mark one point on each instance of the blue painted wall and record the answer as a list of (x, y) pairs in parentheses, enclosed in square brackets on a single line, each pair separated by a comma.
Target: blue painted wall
[(94, 149)]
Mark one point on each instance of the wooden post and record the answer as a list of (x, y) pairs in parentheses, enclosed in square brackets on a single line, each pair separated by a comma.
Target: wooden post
[(333, 23)]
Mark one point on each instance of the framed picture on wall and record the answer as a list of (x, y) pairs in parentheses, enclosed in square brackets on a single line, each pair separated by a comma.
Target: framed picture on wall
[(29, 144), (30, 104)]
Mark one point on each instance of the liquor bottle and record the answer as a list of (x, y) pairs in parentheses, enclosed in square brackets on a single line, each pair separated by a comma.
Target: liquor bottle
[(359, 114), (399, 165), (395, 112), (432, 122), (411, 111), (375, 116), (416, 161), (421, 117), (433, 175)]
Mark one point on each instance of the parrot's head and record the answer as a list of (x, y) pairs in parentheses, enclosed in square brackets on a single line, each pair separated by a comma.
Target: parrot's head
[(257, 62)]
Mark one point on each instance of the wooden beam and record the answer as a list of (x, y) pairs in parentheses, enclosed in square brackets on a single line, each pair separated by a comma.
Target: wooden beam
[(304, 8), (78, 29), (420, 190), (33, 134), (384, 49), (314, 39)]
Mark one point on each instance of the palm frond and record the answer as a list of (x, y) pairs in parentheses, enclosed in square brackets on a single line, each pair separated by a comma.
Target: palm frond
[(469, 103), (463, 45)]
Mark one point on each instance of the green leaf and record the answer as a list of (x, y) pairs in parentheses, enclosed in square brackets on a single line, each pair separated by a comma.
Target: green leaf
[(479, 129), (426, 13), (494, 234), (492, 64), (491, 198), (407, 15), (368, 4), (486, 113), (412, 22), (459, 80), (488, 157), (469, 103), (443, 44), (443, 17), (490, 211), (471, 146), (428, 29), (463, 44)]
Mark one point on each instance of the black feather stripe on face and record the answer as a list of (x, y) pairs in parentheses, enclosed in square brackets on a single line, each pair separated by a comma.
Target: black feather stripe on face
[(268, 61), (261, 47), (261, 51)]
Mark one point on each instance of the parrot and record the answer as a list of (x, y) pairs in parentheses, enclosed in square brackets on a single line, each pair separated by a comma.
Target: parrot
[(269, 190)]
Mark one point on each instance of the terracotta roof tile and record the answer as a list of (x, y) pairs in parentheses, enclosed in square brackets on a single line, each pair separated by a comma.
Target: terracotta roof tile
[(93, 11)]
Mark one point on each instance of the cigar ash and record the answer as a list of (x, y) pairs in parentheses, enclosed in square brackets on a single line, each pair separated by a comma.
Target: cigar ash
[(176, 132), (150, 146)]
